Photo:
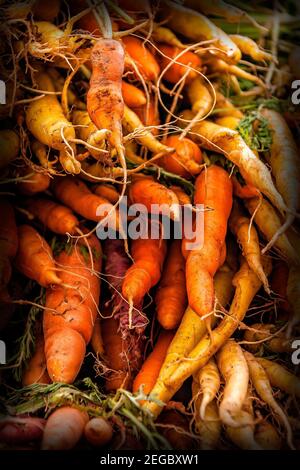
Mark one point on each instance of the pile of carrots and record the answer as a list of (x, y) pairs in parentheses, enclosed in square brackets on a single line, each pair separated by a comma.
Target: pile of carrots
[(149, 342)]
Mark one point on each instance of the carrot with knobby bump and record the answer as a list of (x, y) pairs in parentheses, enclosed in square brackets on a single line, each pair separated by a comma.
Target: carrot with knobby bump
[(233, 366), (46, 121), (267, 335), (64, 428), (148, 374), (143, 58), (141, 134), (170, 379), (171, 298), (247, 238), (75, 194), (293, 296), (148, 256), (56, 217), (71, 310), (34, 258), (185, 161), (209, 382), (267, 436), (197, 27), (178, 67), (98, 431), (132, 95), (263, 388), (87, 131), (213, 189), (156, 197), (10, 146), (200, 97), (245, 191), (231, 144), (280, 377), (33, 182), (268, 222), (249, 47), (284, 161), (108, 192)]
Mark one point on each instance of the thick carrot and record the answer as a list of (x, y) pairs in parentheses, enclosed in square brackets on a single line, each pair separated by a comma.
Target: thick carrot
[(247, 237), (188, 362), (57, 218), (284, 161), (263, 388), (213, 189), (183, 197), (197, 27), (36, 369), (280, 377), (156, 197), (34, 258), (231, 144), (209, 382), (64, 428), (233, 366), (76, 195), (33, 183), (149, 372), (10, 146), (185, 161), (171, 298), (107, 191), (149, 115), (132, 95), (268, 222), (148, 256), (176, 68), (142, 57), (246, 191), (71, 311)]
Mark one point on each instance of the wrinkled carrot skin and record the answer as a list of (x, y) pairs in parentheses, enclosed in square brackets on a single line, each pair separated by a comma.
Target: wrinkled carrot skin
[(71, 311), (37, 183), (177, 70), (279, 280), (148, 192), (143, 58), (34, 258), (36, 370), (185, 161), (148, 374), (148, 256), (105, 103), (75, 194), (213, 188), (115, 356), (57, 218), (246, 191), (171, 297), (132, 95)]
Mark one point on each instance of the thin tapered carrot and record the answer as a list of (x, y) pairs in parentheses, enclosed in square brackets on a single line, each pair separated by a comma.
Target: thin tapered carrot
[(200, 97), (143, 58), (209, 382), (213, 189), (34, 258), (171, 295), (56, 217), (148, 374), (34, 183), (249, 47)]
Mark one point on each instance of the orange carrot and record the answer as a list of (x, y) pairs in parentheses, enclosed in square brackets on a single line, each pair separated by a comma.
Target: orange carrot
[(34, 183), (142, 57), (71, 310), (185, 161), (213, 188), (171, 298), (36, 370), (108, 192), (183, 197), (246, 191), (97, 340), (149, 372), (149, 115), (57, 218), (64, 428), (180, 67), (150, 193), (148, 256), (34, 258), (75, 194), (133, 96)]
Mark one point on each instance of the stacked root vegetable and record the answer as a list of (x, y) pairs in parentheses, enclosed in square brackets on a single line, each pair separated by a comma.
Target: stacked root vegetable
[(149, 343)]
